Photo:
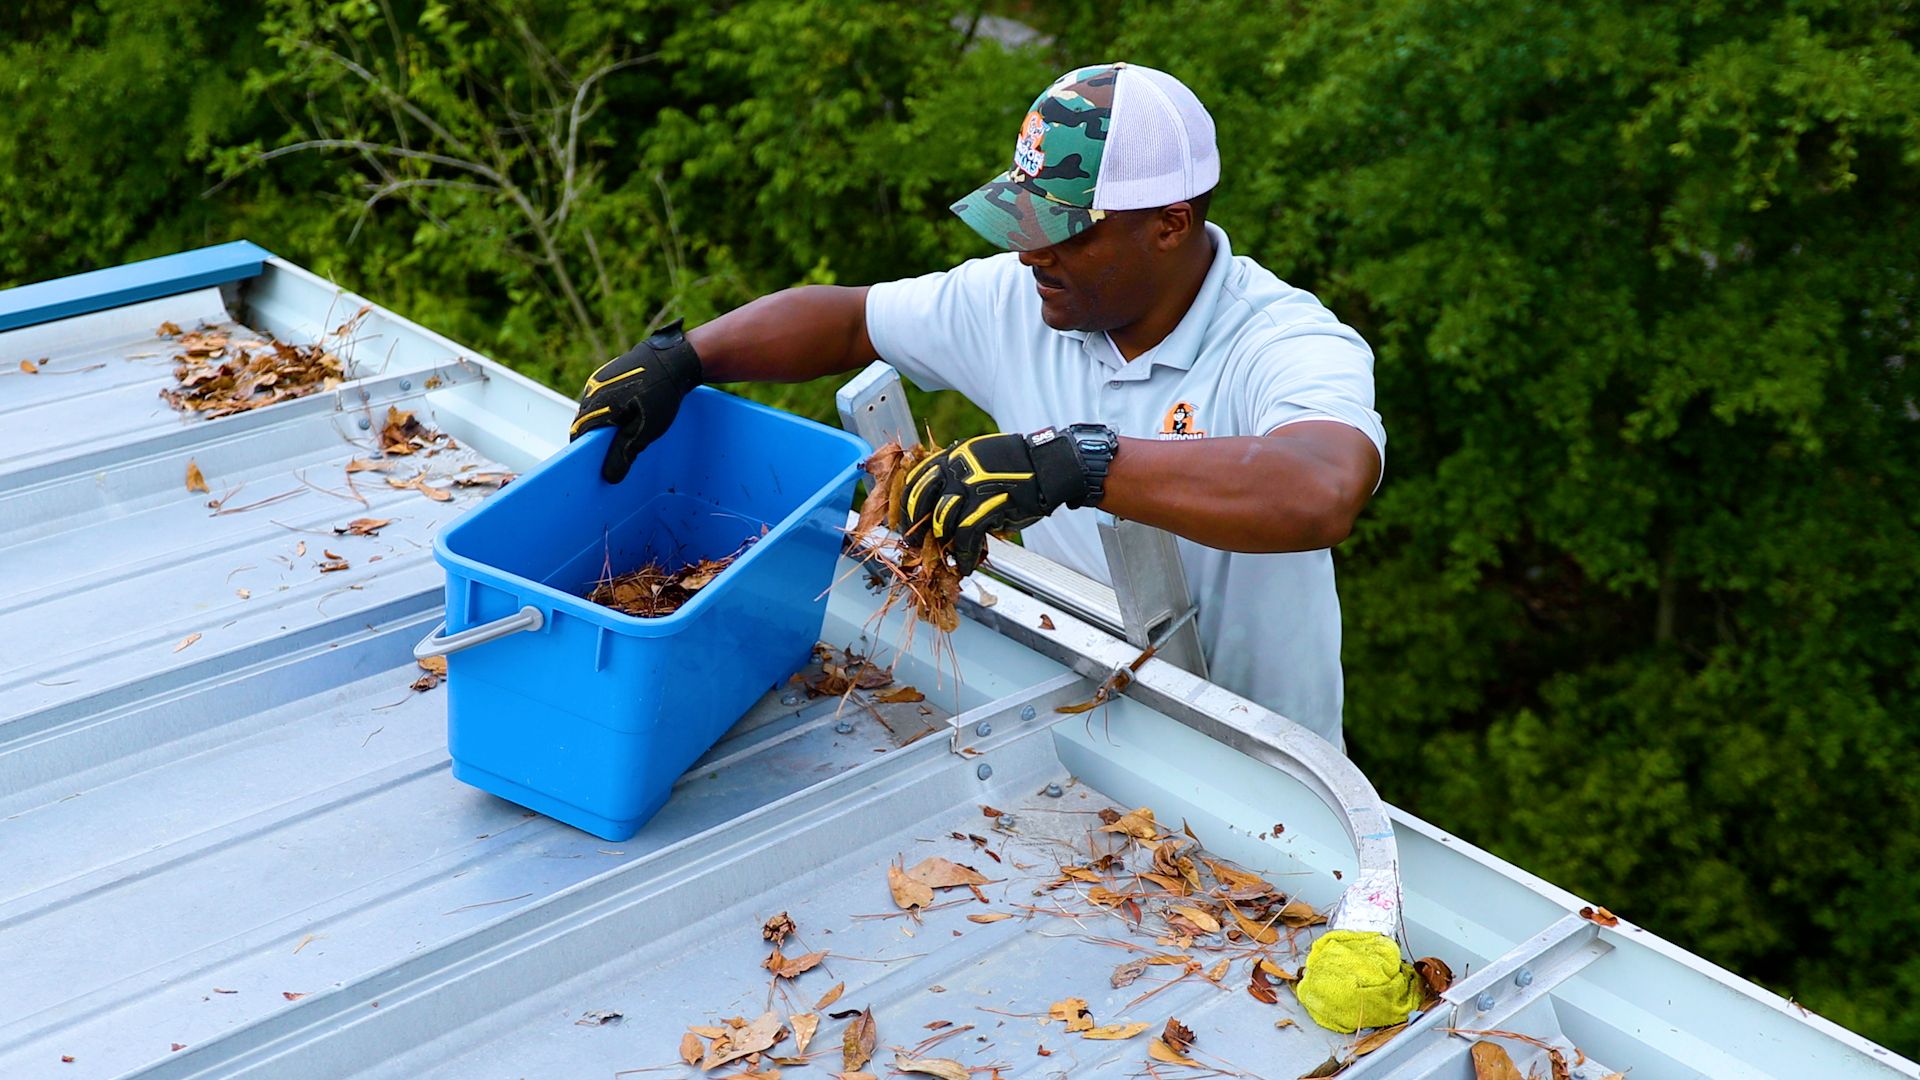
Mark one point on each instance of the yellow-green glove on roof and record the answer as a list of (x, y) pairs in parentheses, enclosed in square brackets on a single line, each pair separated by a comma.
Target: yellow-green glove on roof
[(1355, 979)]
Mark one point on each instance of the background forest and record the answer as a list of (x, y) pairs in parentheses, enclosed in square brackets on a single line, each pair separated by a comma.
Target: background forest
[(1636, 606)]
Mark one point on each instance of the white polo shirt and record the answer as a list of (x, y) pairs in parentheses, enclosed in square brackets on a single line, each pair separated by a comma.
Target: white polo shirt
[(1252, 354)]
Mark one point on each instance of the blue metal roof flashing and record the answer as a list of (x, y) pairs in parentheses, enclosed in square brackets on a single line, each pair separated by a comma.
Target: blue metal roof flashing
[(99, 290)]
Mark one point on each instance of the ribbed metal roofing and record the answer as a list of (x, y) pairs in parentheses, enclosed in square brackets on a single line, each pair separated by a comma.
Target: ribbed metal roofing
[(230, 845)]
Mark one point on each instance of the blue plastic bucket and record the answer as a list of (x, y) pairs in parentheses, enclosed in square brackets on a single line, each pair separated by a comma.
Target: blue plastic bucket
[(589, 715)]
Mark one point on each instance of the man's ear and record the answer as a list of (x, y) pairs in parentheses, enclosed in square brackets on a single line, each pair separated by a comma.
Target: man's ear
[(1175, 223)]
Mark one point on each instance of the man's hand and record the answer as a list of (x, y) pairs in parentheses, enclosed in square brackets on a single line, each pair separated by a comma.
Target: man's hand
[(639, 392), (991, 483)]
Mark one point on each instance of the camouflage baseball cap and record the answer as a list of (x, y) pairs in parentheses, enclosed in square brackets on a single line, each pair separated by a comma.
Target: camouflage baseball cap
[(1106, 137)]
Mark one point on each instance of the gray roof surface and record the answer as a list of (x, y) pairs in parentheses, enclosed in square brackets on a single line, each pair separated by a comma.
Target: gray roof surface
[(228, 824)]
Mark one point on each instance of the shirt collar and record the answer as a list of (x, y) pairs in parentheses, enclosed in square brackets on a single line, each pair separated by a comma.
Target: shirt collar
[(1182, 347)]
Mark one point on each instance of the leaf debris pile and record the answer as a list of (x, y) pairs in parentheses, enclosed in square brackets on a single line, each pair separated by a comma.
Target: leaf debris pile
[(653, 591), (924, 576), (218, 374)]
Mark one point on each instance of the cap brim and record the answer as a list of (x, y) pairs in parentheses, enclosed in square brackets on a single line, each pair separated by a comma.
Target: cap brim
[(1016, 215)]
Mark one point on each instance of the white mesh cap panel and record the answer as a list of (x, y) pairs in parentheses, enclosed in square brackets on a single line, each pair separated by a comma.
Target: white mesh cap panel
[(1160, 146)]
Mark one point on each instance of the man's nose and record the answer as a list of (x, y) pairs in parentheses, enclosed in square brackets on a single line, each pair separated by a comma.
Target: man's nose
[(1041, 257)]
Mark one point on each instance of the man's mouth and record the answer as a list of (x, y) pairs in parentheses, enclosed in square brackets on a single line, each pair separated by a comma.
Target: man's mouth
[(1049, 288)]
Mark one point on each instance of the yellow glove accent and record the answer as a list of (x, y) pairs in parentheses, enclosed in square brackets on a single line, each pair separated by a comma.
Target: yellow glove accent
[(1355, 979)]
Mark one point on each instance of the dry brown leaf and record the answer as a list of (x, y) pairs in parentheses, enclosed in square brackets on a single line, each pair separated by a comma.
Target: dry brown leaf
[(855, 1076), (168, 329), (1174, 885), (419, 483), (940, 873), (1115, 1031), (29, 367), (1600, 915), (1170, 960), (988, 811), (856, 1043), (691, 1048), (1264, 934), (991, 917), (709, 1031), (1217, 971), (751, 1039), (905, 695), (777, 927), (1378, 1039), (1197, 917), (791, 967), (1080, 873), (944, 1068), (1434, 974), (243, 594), (907, 893), (1330, 1067), (1260, 989), (831, 996), (1073, 1011), (334, 565), (1277, 971), (292, 995), (196, 480), (1105, 897), (368, 465), (1232, 877), (1158, 1050), (362, 527), (1177, 1036), (1046, 622), (1492, 1062), (1127, 973), (484, 479), (300, 549), (1299, 913), (803, 1025), (186, 641), (1138, 824)]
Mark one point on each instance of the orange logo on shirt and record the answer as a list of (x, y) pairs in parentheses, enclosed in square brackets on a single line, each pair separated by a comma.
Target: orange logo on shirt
[(1181, 423)]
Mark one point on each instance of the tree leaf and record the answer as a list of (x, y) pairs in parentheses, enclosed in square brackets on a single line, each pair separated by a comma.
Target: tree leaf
[(752, 1039), (1115, 1031), (1262, 933), (196, 481), (831, 996), (856, 1043), (939, 873), (691, 1048), (990, 917), (1197, 917), (1158, 1050), (1377, 1039), (186, 641), (1492, 1062), (803, 1025), (944, 1068), (907, 893)]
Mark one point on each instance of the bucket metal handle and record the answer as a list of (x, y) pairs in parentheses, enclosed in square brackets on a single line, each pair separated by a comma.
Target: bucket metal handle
[(527, 618)]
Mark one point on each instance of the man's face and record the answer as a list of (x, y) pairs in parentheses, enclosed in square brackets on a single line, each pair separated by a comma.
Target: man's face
[(1101, 279)]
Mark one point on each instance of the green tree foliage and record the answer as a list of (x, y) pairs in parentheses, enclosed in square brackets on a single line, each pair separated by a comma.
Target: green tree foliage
[(1635, 606)]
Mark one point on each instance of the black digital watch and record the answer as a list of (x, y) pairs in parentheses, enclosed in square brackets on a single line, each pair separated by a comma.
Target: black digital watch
[(1094, 448)]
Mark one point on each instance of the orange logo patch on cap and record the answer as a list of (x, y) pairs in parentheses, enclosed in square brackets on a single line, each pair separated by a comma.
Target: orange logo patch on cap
[(1028, 157), (1182, 422)]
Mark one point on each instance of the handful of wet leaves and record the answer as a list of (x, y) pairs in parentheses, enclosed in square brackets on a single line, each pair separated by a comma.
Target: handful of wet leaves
[(924, 576), (219, 373), (653, 590)]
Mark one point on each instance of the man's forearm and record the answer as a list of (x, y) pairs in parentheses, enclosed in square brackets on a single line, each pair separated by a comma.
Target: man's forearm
[(1298, 489), (789, 336)]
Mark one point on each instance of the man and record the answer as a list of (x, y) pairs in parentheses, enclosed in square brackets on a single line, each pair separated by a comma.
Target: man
[(1156, 376)]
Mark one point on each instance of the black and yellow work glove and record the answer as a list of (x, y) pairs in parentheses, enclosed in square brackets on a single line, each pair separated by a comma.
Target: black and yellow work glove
[(993, 483), (639, 392)]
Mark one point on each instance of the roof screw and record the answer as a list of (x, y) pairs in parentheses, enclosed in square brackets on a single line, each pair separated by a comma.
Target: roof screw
[(984, 771), (790, 698), (1484, 1001), (844, 727), (365, 423), (364, 395), (406, 384), (1027, 713), (983, 729), (1524, 978), (1054, 791)]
